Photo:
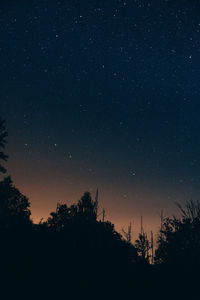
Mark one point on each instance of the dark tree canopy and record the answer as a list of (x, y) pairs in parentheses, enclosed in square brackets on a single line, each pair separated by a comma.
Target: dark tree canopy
[(3, 135), (58, 219), (87, 237), (142, 245), (87, 207), (14, 206), (179, 239)]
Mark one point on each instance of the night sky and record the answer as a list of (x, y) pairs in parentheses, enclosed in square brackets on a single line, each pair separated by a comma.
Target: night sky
[(103, 94)]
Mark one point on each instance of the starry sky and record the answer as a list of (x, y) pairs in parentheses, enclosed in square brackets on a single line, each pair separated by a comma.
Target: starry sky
[(103, 94)]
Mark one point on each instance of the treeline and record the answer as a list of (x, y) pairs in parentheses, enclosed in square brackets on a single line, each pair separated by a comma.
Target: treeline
[(76, 253)]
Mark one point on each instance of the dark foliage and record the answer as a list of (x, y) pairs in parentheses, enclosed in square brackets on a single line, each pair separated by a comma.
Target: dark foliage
[(87, 237), (179, 239), (14, 207), (142, 245)]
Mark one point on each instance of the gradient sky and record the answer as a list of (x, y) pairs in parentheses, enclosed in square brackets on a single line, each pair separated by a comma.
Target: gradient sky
[(103, 94)]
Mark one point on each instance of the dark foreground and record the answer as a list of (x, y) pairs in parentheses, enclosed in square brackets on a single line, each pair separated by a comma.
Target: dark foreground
[(91, 280)]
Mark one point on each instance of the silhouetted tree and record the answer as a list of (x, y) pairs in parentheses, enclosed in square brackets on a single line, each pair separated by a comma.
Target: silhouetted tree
[(128, 234), (142, 246), (14, 206), (179, 239), (87, 207), (58, 220), (87, 239), (3, 135)]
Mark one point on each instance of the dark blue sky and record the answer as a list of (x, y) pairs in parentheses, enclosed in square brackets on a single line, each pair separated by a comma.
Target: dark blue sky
[(102, 93)]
